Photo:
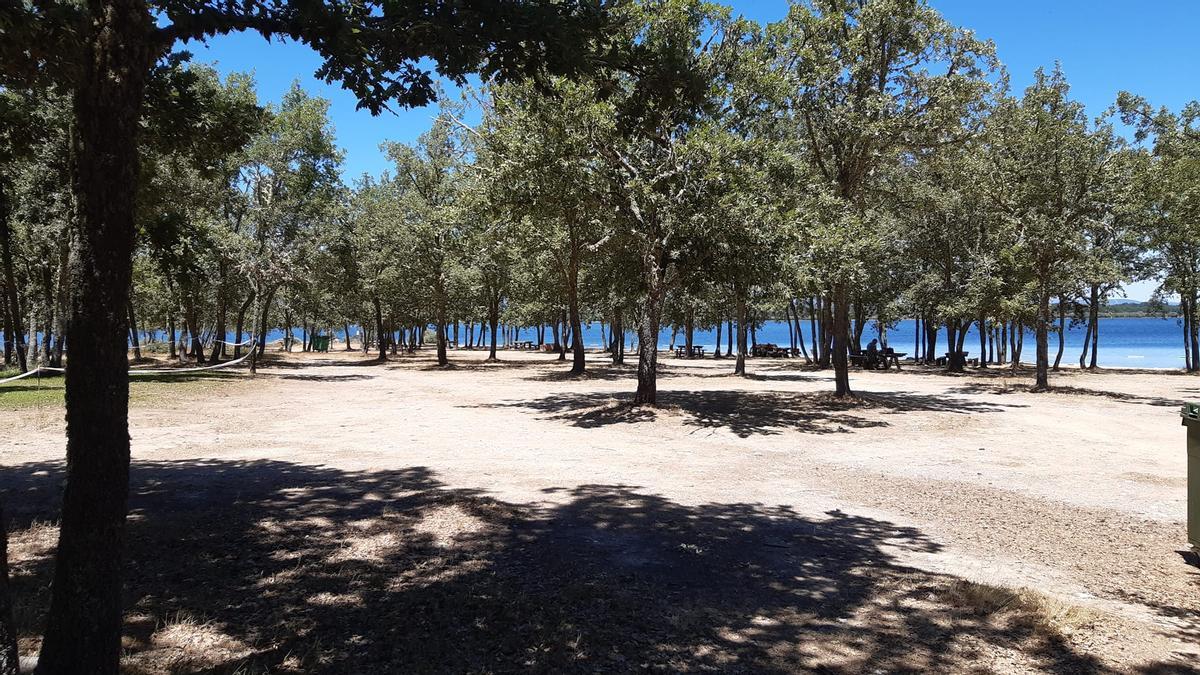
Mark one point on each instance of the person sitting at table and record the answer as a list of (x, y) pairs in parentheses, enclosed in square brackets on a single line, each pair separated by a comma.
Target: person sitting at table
[(872, 360)]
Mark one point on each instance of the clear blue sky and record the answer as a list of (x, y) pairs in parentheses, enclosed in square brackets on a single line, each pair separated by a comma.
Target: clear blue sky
[(1104, 46)]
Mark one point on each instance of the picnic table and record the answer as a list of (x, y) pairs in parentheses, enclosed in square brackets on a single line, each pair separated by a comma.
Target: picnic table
[(771, 350), (884, 359), (697, 352), (945, 359), (523, 344)]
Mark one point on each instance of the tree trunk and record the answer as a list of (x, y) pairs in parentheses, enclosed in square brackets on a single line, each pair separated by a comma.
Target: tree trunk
[(618, 337), (382, 333), (800, 331), (1042, 335), (12, 331), (494, 322), (1094, 324), (193, 325), (222, 302), (813, 330), (728, 340), (83, 625), (133, 332), (983, 342), (578, 356), (562, 345), (647, 373), (717, 351), (827, 330), (841, 330), (739, 367), (9, 657), (1195, 331), (241, 322), (954, 361), (1062, 331)]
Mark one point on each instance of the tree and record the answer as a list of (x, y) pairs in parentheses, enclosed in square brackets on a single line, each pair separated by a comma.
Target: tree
[(1047, 167), (870, 80), (1166, 195), (103, 52)]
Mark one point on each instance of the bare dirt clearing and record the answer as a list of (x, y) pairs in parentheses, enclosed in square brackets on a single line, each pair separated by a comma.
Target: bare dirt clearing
[(340, 515)]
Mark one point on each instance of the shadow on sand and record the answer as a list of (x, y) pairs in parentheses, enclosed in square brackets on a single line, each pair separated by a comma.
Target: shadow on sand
[(269, 566), (750, 413)]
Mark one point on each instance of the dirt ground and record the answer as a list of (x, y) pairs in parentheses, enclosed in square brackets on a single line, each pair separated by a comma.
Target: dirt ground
[(335, 514)]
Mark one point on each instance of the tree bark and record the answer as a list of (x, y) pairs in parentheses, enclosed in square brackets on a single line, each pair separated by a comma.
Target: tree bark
[(1094, 324), (800, 331), (13, 332), (739, 367), (984, 356), (83, 625), (382, 333), (133, 332), (841, 330), (241, 319), (494, 323), (647, 372), (1062, 331), (1042, 335), (9, 657)]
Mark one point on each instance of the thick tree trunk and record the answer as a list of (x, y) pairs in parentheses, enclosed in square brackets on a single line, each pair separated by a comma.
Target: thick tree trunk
[(647, 372), (9, 658), (954, 361), (494, 322), (8, 325), (578, 356), (1194, 331), (12, 331), (827, 330), (83, 625), (1042, 335)]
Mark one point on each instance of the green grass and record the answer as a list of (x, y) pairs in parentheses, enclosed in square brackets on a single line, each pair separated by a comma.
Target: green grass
[(43, 391)]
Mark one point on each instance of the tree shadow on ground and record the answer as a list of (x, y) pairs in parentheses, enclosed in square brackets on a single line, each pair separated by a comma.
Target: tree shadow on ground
[(1120, 396), (748, 413), (269, 566), (289, 360)]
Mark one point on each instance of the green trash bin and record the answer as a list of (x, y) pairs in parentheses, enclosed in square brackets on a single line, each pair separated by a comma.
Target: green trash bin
[(1191, 420), (320, 343)]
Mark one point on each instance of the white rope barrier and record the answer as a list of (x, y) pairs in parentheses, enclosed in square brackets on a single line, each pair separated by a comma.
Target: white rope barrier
[(168, 371), (148, 371)]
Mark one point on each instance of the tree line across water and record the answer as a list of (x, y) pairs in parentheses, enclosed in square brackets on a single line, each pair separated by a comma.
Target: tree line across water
[(645, 163)]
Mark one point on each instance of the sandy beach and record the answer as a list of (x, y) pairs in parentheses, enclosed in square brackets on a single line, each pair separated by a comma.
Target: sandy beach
[(336, 513)]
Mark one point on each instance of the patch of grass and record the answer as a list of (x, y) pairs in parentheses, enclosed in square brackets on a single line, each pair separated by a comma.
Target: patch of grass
[(47, 391), (1040, 614)]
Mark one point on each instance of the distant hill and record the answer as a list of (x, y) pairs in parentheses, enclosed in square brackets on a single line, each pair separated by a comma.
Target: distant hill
[(1125, 307)]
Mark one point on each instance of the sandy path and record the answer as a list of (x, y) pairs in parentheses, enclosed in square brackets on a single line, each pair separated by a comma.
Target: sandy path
[(1080, 494)]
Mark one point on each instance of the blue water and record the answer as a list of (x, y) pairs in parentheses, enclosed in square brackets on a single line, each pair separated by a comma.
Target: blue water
[(1124, 343)]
